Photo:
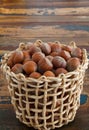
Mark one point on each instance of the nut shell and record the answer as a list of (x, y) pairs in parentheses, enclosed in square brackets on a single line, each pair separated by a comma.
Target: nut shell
[(34, 49), (65, 54), (59, 62), (56, 48), (76, 52), (60, 70), (29, 67), (17, 68), (49, 74), (72, 64), (26, 56), (37, 56), (18, 57), (44, 65), (35, 75), (46, 49), (67, 48), (10, 60)]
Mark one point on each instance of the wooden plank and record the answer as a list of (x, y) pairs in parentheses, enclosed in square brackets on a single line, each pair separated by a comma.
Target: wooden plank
[(46, 31), (46, 11), (11, 43), (40, 4), (36, 19)]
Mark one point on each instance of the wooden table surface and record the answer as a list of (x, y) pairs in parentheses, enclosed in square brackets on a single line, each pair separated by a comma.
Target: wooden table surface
[(48, 20)]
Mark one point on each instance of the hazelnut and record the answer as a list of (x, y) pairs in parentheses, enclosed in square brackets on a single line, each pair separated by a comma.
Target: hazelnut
[(45, 48), (26, 56), (34, 49), (60, 70), (67, 48), (59, 62), (50, 57), (65, 54), (37, 56), (44, 65), (18, 57), (17, 68), (35, 75), (10, 60), (72, 64), (76, 52), (29, 67), (54, 54), (49, 74), (56, 48)]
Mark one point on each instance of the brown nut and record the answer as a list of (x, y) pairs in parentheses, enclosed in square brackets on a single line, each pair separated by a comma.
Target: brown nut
[(72, 64), (37, 56), (65, 54), (29, 67), (56, 48), (18, 57), (17, 68), (49, 74), (34, 49), (67, 48), (60, 70), (44, 65), (26, 56), (46, 49), (35, 75), (76, 52), (59, 62), (10, 60)]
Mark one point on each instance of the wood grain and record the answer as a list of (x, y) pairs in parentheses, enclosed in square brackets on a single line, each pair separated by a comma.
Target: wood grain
[(46, 11), (48, 20)]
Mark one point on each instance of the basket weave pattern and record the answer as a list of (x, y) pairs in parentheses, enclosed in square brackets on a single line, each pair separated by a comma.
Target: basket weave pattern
[(48, 102)]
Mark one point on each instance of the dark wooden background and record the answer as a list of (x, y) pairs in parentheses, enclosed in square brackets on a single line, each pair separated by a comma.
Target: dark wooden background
[(48, 20)]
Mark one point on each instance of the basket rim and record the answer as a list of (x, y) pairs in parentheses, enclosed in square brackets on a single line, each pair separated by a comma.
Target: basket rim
[(6, 68)]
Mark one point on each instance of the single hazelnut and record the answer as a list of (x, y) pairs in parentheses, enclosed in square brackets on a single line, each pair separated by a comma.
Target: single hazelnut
[(17, 68), (50, 57), (73, 63), (10, 60), (65, 54), (54, 53), (49, 74), (34, 49), (46, 49), (26, 56), (59, 62), (18, 57), (29, 67), (67, 48), (44, 65), (56, 48), (35, 75), (60, 70), (76, 52), (37, 56)]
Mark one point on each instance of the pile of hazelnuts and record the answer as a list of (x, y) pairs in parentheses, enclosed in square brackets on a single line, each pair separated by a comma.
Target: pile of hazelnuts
[(48, 59)]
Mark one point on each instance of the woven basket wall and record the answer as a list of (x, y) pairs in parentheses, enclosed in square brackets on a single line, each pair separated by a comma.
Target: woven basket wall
[(46, 103)]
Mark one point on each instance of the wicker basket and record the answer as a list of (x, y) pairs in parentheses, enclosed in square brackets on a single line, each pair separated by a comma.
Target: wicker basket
[(48, 102)]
